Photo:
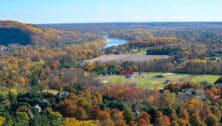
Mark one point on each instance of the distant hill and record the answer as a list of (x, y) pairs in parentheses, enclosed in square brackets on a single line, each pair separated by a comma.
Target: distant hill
[(12, 32)]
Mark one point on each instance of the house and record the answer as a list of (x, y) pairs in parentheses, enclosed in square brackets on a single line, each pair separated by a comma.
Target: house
[(167, 81), (213, 58), (128, 76), (63, 95), (127, 73), (38, 108), (189, 92), (136, 113), (2, 48), (80, 64), (218, 84), (30, 113)]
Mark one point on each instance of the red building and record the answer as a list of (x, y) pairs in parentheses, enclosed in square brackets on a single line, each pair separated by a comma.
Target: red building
[(126, 72)]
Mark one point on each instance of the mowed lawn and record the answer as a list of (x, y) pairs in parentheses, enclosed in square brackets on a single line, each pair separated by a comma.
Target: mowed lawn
[(208, 78), (157, 80)]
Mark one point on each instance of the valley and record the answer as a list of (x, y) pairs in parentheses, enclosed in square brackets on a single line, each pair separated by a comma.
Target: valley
[(140, 74)]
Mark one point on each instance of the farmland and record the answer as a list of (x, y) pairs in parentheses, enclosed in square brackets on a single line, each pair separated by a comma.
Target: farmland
[(157, 80)]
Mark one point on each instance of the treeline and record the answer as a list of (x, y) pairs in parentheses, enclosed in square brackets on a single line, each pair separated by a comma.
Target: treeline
[(152, 42), (193, 66), (165, 50)]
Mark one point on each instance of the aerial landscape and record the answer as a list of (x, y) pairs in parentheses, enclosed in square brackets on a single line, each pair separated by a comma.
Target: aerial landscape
[(113, 63)]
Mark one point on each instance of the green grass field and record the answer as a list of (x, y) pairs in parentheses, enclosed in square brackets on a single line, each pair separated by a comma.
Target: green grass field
[(208, 78), (157, 80)]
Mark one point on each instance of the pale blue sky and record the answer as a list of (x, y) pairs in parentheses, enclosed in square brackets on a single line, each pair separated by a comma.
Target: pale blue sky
[(84, 11)]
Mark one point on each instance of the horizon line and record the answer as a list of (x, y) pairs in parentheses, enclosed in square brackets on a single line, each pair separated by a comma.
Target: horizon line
[(116, 22), (131, 22)]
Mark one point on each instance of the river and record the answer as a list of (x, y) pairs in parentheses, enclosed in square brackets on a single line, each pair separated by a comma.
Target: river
[(114, 42)]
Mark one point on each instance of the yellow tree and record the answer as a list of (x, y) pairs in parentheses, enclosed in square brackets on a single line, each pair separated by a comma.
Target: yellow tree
[(74, 122), (2, 120)]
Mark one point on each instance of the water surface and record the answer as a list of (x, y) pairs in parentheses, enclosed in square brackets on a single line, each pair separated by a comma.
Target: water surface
[(115, 42)]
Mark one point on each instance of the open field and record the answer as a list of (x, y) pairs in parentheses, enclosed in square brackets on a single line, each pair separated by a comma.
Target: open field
[(125, 57), (157, 80), (208, 78)]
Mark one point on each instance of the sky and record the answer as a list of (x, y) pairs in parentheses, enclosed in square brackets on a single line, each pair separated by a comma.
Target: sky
[(92, 11)]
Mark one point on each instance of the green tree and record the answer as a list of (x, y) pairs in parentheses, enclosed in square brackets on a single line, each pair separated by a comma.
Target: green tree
[(55, 118), (211, 120), (40, 120), (22, 119), (195, 120), (128, 115)]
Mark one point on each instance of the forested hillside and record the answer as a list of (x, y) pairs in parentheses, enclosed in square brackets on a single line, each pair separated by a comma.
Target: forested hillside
[(164, 75), (12, 32)]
